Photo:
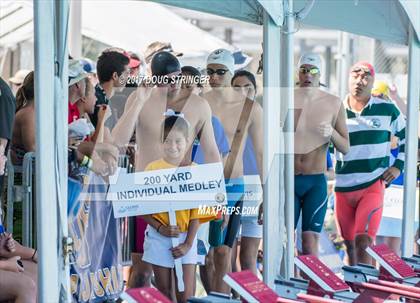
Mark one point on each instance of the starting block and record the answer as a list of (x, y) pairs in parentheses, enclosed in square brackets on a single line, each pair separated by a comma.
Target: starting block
[(394, 272), (414, 262), (324, 283), (214, 297), (253, 290), (144, 295), (392, 269)]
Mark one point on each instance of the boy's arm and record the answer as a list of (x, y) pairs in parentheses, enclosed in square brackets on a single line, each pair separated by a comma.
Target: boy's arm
[(398, 130), (256, 132), (340, 134), (207, 140), (124, 128)]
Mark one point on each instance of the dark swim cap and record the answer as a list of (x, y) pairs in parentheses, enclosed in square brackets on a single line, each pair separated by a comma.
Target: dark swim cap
[(164, 63)]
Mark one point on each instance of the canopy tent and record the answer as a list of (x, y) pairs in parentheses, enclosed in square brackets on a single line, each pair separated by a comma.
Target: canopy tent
[(141, 24), (383, 20), (244, 10), (252, 11)]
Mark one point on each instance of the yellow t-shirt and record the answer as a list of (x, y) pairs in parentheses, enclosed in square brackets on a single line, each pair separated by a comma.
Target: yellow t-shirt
[(183, 217)]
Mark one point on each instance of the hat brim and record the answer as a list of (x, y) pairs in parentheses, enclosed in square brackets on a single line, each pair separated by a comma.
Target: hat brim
[(78, 79), (177, 54), (15, 80)]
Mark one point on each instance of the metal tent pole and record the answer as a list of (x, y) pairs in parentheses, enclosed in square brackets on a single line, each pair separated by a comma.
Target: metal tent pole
[(48, 290), (287, 100), (343, 55), (273, 204), (61, 138), (411, 139)]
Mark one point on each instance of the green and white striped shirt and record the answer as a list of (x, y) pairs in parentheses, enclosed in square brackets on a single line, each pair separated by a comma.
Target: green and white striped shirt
[(370, 133)]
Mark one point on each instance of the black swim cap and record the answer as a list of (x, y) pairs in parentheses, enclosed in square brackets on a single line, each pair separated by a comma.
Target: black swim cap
[(164, 63)]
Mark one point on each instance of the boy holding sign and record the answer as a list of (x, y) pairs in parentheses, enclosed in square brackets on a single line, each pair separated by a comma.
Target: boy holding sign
[(158, 245)]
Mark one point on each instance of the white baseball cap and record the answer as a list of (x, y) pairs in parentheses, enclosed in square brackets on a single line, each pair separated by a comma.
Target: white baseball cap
[(19, 76), (76, 72), (311, 59), (223, 57)]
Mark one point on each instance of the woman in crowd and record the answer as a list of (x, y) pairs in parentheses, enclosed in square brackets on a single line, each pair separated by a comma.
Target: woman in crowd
[(23, 139), (251, 232)]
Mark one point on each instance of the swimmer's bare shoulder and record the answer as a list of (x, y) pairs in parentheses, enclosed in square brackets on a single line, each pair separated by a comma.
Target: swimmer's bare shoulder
[(200, 104), (330, 96), (336, 105), (329, 101), (256, 107), (208, 96)]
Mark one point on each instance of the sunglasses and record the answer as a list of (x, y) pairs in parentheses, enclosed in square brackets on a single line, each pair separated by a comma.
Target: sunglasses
[(219, 72), (312, 71)]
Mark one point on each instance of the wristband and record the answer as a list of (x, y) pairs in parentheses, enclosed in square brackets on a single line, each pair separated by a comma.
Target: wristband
[(85, 161), (90, 163)]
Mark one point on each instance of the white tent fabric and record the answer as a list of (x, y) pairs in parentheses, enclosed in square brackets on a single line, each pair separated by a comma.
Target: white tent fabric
[(412, 8), (141, 23), (131, 25), (383, 20), (16, 22), (245, 10)]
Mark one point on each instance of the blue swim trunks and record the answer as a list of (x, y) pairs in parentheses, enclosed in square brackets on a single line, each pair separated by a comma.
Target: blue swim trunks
[(311, 197), (235, 190)]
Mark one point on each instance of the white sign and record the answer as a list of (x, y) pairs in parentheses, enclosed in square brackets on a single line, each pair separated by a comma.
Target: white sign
[(253, 194), (162, 190), (393, 202)]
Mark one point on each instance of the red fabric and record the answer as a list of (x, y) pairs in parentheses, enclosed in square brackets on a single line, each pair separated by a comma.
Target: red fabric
[(360, 211), (74, 113), (140, 225)]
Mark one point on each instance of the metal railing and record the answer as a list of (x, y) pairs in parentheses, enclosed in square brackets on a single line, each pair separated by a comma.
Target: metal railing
[(126, 223), (21, 193)]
